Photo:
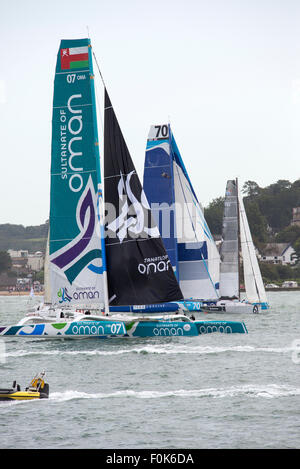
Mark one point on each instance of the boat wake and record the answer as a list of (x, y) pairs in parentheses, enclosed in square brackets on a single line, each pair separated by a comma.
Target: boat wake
[(269, 391), (160, 349)]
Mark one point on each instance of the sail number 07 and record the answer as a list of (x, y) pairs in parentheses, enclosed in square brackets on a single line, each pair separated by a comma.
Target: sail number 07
[(71, 77)]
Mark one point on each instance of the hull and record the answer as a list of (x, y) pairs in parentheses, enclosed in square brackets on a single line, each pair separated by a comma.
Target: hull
[(129, 328), (263, 305), (21, 395), (231, 308), (180, 329), (74, 329), (38, 389), (190, 305)]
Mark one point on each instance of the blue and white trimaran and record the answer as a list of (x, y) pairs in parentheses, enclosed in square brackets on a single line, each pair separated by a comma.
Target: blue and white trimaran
[(120, 265), (179, 216), (209, 281)]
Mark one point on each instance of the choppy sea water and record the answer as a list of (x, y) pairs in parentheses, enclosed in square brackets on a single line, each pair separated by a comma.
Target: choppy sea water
[(211, 391)]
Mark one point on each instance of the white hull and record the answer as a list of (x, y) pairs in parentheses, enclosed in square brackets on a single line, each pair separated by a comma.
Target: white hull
[(231, 307)]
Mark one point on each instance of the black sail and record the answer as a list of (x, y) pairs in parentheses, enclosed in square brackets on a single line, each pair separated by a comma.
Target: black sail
[(138, 267)]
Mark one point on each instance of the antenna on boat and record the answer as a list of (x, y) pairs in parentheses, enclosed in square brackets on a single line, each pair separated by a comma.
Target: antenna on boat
[(95, 58)]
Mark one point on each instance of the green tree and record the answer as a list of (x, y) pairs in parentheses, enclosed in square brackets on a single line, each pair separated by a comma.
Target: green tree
[(257, 222), (251, 188), (288, 235), (296, 246), (5, 261), (214, 215), (269, 272)]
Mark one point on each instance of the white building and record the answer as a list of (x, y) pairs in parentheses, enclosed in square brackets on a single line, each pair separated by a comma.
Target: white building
[(289, 284), (36, 261), (21, 259), (278, 253)]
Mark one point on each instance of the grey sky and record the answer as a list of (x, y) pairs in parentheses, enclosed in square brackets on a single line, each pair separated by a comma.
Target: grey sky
[(225, 73)]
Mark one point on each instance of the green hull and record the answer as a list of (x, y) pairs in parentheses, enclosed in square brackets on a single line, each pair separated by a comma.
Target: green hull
[(134, 328)]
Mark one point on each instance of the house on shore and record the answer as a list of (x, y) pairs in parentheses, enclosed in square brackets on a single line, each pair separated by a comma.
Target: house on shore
[(278, 253)]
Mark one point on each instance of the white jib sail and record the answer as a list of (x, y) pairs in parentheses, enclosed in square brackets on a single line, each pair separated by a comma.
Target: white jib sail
[(255, 290), (198, 277)]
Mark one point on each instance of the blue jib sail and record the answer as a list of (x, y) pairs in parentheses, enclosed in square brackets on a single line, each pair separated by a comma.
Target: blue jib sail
[(176, 209)]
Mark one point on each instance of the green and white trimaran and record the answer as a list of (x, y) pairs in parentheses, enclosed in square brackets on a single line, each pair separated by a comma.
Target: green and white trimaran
[(123, 267)]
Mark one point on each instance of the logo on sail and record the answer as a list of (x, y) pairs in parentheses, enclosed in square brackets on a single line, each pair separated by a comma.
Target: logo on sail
[(154, 264), (79, 253), (132, 216), (63, 294)]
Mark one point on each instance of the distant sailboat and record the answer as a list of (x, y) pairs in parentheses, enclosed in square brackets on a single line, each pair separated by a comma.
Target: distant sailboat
[(179, 215), (254, 285), (236, 238), (129, 266)]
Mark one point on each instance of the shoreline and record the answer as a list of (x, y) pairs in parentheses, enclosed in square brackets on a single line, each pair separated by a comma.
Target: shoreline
[(27, 293), (19, 293)]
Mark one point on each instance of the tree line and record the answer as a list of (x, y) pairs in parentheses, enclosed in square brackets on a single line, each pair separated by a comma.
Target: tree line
[(16, 237), (269, 212)]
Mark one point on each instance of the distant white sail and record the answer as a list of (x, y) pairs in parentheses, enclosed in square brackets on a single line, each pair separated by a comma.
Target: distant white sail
[(254, 286)]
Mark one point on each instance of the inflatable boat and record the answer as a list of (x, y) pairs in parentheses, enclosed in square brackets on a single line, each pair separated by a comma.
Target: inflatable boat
[(37, 389)]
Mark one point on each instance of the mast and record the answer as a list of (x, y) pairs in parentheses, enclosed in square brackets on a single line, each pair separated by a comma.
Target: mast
[(47, 286), (100, 202), (239, 238), (173, 196)]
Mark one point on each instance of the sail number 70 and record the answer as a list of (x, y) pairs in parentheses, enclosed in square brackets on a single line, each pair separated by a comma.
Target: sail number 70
[(161, 131)]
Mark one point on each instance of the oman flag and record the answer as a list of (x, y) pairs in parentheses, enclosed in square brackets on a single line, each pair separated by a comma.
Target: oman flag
[(74, 57)]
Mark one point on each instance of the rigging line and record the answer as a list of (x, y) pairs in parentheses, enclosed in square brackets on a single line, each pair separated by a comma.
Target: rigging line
[(99, 112), (97, 96), (206, 267), (96, 62)]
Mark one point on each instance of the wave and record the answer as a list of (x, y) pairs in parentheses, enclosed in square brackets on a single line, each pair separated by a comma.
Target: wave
[(269, 391), (160, 349)]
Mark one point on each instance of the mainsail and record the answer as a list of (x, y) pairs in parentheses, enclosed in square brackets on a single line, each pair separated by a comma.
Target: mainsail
[(237, 238), (138, 267), (229, 267), (76, 256), (178, 213)]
